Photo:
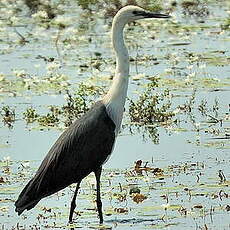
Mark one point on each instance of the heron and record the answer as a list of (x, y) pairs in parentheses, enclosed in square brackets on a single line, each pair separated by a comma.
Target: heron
[(88, 142)]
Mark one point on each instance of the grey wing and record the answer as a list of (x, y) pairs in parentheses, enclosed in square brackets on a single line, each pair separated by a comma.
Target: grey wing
[(81, 149)]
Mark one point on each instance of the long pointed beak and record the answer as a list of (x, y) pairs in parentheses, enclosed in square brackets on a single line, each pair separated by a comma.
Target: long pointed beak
[(155, 15)]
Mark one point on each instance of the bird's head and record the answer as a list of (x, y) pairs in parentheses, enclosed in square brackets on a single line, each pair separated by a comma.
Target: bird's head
[(132, 13)]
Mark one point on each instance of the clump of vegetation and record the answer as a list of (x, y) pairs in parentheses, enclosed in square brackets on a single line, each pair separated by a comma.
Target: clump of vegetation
[(194, 8), (111, 7), (208, 111), (8, 115), (50, 119), (40, 5), (151, 107), (30, 115), (80, 102), (85, 4), (76, 105), (226, 24), (114, 6)]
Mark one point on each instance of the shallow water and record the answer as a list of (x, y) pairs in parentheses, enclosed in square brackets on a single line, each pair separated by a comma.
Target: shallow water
[(189, 54)]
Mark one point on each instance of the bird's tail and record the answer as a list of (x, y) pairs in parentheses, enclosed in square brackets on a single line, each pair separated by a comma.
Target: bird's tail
[(27, 198)]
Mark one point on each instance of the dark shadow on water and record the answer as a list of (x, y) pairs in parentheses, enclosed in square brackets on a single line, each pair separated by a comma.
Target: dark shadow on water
[(131, 220), (124, 221)]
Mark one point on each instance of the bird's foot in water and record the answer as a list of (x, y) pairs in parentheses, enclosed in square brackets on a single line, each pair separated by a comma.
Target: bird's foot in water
[(70, 222)]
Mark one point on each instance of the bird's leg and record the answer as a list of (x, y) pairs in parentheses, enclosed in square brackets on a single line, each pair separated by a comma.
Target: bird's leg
[(73, 203), (99, 203)]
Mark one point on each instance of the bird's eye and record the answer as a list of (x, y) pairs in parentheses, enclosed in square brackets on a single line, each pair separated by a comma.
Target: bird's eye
[(137, 12)]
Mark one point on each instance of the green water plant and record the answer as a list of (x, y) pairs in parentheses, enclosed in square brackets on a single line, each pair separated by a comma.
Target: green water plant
[(149, 110), (8, 115), (151, 107), (76, 104)]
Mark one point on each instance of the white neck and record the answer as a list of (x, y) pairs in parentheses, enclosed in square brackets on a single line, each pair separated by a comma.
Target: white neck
[(114, 100)]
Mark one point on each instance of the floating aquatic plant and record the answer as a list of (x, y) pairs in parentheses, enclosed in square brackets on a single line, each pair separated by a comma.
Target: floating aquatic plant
[(151, 107), (8, 115), (30, 115), (195, 8), (76, 105), (226, 24)]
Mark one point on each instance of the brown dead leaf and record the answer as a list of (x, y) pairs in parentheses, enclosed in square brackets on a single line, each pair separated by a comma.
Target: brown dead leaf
[(2, 180), (46, 209), (198, 206), (121, 210), (139, 169), (138, 198)]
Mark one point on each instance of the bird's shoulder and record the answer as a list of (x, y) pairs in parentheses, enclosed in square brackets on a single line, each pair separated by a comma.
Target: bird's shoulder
[(95, 118), (95, 124)]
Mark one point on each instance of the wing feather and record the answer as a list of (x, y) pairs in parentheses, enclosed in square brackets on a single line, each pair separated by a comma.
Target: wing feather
[(80, 149)]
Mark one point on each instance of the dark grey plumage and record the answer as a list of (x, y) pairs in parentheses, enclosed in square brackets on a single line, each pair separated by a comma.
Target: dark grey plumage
[(80, 150)]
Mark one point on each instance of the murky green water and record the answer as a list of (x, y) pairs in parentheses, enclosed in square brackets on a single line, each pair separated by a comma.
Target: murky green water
[(187, 60)]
